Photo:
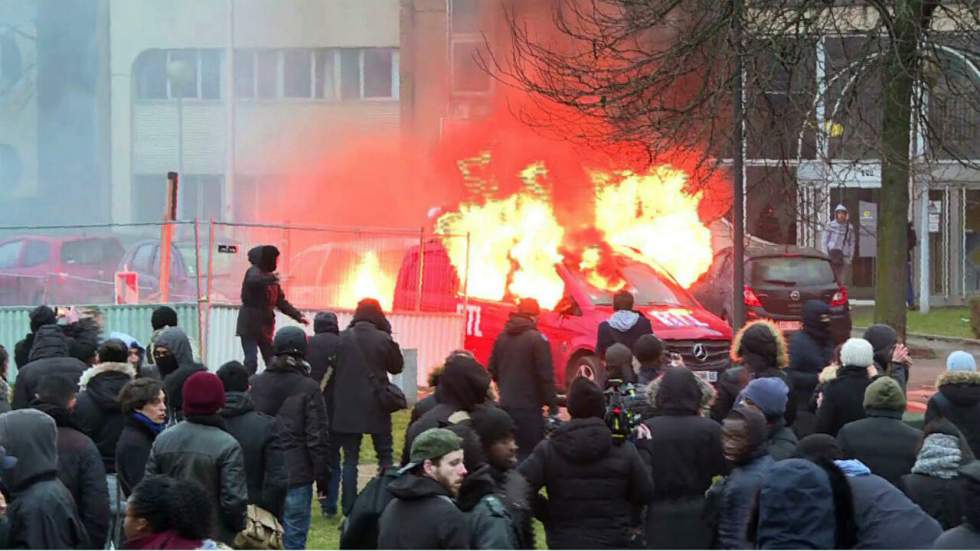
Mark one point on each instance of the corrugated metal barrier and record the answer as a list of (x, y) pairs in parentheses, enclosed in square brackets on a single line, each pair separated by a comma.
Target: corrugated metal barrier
[(432, 335)]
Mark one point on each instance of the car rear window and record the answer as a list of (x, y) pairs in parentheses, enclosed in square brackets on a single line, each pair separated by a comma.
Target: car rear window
[(91, 252), (800, 271)]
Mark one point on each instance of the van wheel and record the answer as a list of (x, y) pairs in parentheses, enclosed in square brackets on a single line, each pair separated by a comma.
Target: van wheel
[(587, 366)]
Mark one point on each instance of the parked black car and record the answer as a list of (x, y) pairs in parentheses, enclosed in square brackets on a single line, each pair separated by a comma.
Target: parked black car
[(779, 279)]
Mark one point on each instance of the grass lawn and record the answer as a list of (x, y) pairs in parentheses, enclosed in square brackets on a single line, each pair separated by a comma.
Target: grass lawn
[(325, 533), (951, 322)]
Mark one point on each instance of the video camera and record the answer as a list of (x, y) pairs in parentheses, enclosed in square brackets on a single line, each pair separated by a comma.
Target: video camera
[(620, 419)]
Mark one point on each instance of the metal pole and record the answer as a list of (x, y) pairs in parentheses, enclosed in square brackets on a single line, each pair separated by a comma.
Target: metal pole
[(167, 234), (418, 298), (738, 213), (202, 336), (230, 123), (180, 139), (210, 287)]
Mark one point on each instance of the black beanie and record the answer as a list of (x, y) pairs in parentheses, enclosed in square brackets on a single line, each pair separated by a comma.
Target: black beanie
[(290, 341), (163, 316), (492, 425), (42, 315), (585, 399)]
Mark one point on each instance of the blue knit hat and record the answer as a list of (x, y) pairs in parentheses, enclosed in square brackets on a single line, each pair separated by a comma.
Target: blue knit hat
[(769, 394), (961, 361)]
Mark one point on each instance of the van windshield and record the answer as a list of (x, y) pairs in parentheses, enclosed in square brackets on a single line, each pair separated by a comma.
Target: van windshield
[(649, 288)]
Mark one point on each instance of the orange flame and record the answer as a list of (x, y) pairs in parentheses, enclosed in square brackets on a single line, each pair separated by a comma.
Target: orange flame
[(516, 241), (367, 280)]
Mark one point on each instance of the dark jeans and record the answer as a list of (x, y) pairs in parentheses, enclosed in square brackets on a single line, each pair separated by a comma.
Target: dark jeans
[(350, 444), (529, 429), (296, 517), (251, 347)]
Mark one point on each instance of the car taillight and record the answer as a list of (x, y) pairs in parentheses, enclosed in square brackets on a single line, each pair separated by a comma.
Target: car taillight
[(840, 297), (751, 300)]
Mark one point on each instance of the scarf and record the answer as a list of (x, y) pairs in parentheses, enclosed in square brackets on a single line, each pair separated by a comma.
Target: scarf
[(939, 457), (155, 428)]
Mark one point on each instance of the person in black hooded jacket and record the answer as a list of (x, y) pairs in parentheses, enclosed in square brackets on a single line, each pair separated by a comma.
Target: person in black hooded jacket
[(259, 436), (49, 356), (286, 391), (958, 397), (462, 389), (99, 414), (173, 357), (891, 357), (843, 396), (810, 350), (261, 295), (967, 534), (758, 350), (520, 364), (595, 486), (322, 352), (40, 316), (79, 462), (42, 513), (625, 326), (684, 454), (366, 355)]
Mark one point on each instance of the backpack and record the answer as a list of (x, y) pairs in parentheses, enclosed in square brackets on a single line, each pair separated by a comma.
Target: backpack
[(360, 530), (262, 530)]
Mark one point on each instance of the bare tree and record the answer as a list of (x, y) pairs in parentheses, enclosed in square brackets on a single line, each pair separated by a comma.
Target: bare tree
[(896, 82)]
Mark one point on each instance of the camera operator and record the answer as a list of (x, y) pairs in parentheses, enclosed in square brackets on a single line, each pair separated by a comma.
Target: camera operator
[(626, 405)]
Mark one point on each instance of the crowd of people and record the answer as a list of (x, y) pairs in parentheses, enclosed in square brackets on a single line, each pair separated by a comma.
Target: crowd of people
[(801, 444)]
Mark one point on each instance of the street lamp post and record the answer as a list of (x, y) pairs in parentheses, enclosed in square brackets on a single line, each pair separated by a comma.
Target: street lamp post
[(179, 74)]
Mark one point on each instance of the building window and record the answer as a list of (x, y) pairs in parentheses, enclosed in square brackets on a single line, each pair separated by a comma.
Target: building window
[(317, 73), (468, 75), (465, 16), (203, 76)]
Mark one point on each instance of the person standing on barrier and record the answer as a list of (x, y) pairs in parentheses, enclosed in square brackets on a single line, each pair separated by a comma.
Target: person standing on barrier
[(261, 295)]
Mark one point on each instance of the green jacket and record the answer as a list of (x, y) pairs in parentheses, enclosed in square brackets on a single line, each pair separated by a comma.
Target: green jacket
[(491, 526)]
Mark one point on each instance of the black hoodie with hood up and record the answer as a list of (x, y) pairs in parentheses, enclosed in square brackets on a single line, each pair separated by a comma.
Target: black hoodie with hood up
[(321, 353), (422, 515), (42, 513), (595, 487), (883, 339), (521, 366), (175, 340), (49, 356), (810, 350), (261, 295)]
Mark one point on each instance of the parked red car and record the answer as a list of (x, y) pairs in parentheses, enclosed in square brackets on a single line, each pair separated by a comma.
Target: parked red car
[(698, 336), (58, 270)]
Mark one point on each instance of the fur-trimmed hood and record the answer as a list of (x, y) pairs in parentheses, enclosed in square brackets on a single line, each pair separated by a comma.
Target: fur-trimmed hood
[(708, 394), (107, 367), (762, 337), (958, 378)]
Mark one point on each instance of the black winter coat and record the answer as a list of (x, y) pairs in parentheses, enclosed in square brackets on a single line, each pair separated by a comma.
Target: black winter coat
[(962, 405), (422, 515), (498, 508), (941, 499), (80, 470), (735, 496), (781, 442), (594, 487), (810, 350), (261, 295), (882, 442), (285, 392), (365, 350), (422, 407), (843, 400), (887, 518), (521, 366), (684, 454), (265, 459), (322, 353), (42, 513), (734, 379), (49, 356), (132, 453), (22, 350), (608, 335), (206, 453), (99, 413)]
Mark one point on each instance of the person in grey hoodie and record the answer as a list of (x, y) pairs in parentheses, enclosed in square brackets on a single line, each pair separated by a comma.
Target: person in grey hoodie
[(625, 326), (838, 243)]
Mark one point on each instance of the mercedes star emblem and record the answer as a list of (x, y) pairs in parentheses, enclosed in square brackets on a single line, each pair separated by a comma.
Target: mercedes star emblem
[(700, 352), (795, 295)]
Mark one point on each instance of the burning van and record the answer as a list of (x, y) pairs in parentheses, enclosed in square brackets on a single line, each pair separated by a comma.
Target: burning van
[(571, 324)]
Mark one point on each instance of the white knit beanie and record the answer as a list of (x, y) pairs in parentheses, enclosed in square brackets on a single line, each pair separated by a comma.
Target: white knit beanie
[(857, 352)]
